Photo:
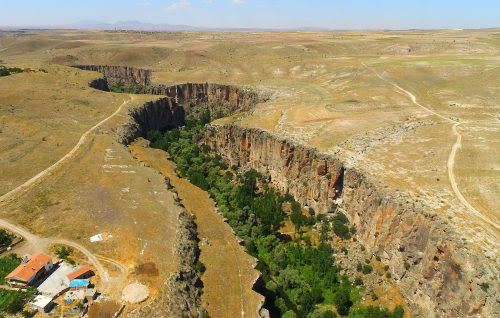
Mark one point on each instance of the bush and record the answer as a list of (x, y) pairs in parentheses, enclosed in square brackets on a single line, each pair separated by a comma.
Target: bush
[(367, 269), (407, 265), (5, 71), (200, 267), (358, 281), (289, 314), (484, 286), (342, 301), (319, 313), (298, 219), (5, 238), (64, 252), (359, 267), (339, 226)]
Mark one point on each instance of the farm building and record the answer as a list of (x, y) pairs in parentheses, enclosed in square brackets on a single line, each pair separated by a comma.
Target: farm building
[(31, 271), (80, 272)]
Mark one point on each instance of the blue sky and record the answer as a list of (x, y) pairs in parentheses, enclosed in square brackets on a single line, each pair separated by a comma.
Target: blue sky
[(336, 14)]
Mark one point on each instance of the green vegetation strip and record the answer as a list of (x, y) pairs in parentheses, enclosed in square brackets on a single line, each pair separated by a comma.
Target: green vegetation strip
[(5, 71), (301, 279)]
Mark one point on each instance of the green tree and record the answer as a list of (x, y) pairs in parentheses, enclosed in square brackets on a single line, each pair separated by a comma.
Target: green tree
[(298, 219), (342, 300), (5, 238)]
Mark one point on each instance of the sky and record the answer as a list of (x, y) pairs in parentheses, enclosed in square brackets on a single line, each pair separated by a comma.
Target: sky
[(331, 14)]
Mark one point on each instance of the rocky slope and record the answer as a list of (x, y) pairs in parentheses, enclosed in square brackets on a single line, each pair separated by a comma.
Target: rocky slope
[(437, 274)]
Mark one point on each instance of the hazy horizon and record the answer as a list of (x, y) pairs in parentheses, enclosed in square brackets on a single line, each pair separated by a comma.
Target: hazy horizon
[(258, 14)]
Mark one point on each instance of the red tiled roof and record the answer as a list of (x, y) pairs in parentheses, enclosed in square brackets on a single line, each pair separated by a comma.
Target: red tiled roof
[(24, 272), (79, 272)]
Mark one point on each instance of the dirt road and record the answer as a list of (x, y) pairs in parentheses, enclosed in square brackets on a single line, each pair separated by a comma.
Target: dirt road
[(40, 244), (26, 185), (451, 157)]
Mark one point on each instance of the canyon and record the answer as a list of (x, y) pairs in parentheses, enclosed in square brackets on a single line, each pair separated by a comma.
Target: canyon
[(427, 257), (348, 121)]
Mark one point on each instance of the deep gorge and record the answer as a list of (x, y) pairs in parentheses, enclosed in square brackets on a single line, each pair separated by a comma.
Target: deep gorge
[(436, 274)]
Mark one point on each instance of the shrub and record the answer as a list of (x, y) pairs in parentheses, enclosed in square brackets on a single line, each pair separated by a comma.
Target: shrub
[(342, 301), (358, 281), (484, 286), (367, 269), (64, 252), (289, 314), (359, 267), (5, 238), (407, 265), (200, 267)]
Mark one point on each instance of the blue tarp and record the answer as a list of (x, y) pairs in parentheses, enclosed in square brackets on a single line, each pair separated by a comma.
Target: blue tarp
[(79, 283)]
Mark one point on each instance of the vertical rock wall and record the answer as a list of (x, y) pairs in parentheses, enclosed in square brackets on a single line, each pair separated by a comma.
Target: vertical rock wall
[(123, 75), (436, 273)]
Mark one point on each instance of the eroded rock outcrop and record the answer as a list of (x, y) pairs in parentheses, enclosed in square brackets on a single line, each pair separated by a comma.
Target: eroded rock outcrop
[(120, 75), (437, 273)]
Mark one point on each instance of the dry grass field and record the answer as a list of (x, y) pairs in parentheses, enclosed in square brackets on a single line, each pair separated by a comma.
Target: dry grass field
[(418, 110)]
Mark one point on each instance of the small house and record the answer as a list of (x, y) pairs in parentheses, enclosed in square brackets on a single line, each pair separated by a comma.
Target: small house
[(30, 271), (80, 272)]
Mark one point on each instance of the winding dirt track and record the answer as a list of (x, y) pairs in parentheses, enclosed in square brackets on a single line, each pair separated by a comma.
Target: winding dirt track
[(71, 153), (451, 157), (37, 243)]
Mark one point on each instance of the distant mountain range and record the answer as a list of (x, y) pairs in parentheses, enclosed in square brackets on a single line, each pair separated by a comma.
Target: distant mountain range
[(144, 26), (126, 25)]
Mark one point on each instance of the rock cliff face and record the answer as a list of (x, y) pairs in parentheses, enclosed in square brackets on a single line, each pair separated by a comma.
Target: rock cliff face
[(437, 274), (170, 112), (122, 75)]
